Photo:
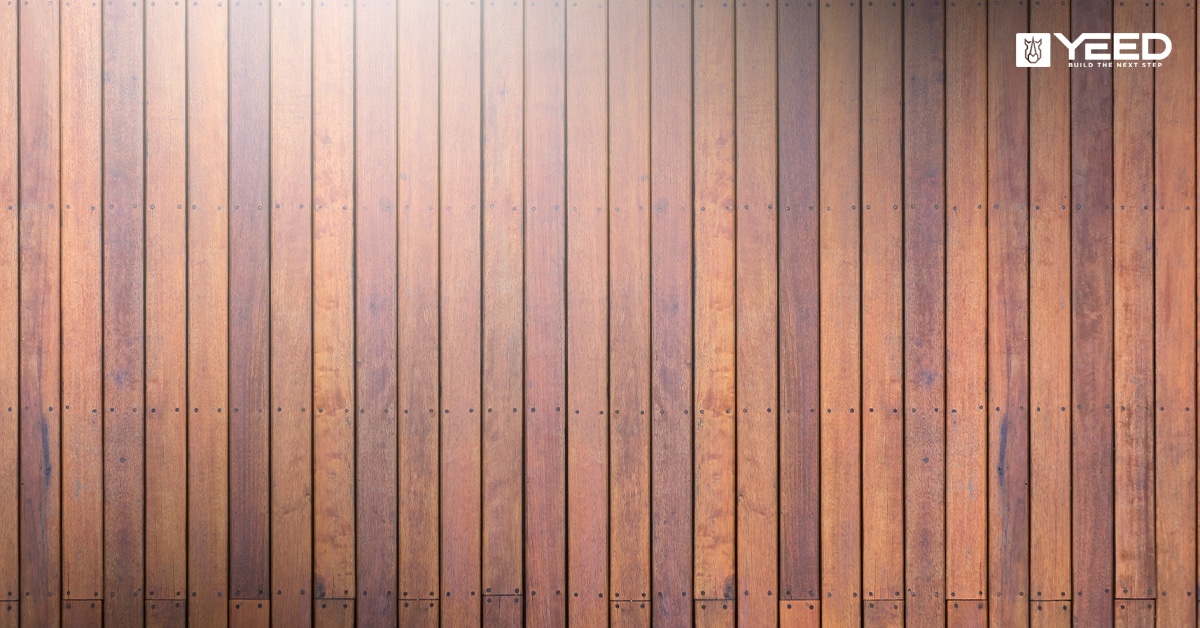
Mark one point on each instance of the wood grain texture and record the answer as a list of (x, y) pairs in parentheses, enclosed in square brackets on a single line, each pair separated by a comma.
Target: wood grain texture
[(9, 315)]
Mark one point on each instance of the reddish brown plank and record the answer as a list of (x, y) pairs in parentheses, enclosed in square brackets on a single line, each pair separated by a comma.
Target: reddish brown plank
[(249, 613), (418, 613), (1051, 613), (9, 314), (800, 613), (587, 324), (503, 610), (82, 300), (10, 614), (629, 613), (883, 314), (40, 363), (714, 613), (966, 303), (966, 614), (83, 614), (883, 613), (1133, 613), (166, 613), (334, 613), (716, 298), (250, 171), (166, 305), (417, 276), (333, 302)]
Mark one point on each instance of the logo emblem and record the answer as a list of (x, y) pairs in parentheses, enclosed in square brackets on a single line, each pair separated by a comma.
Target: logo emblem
[(1033, 50)]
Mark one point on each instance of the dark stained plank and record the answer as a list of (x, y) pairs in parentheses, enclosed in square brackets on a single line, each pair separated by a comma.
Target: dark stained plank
[(208, 315), (715, 345), (250, 171), (375, 311), (1133, 317), (124, 315), (673, 402), (1133, 613), (1175, 317), (333, 302), (83, 300), (799, 317), (166, 307), (503, 304), (545, 313), (9, 314), (461, 267), (39, 289), (166, 613), (966, 304), (588, 530), (1008, 321), (418, 300), (291, 290), (924, 315), (1050, 316), (883, 314), (841, 523)]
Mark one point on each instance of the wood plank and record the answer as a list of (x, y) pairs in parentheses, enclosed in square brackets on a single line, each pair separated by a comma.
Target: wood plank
[(1133, 316), (841, 522), (375, 311), (1050, 314), (166, 613), (1051, 613), (333, 301), (250, 377), (83, 613), (503, 610), (757, 366), (83, 301), (545, 310), (714, 445), (587, 319), (503, 348), (461, 233), (966, 302), (1091, 245), (883, 314), (40, 360), (714, 613), (9, 314), (208, 314), (1133, 613), (924, 316), (800, 613), (966, 614), (667, 91), (1174, 318), (166, 304), (630, 313), (10, 614), (417, 613), (249, 613), (1008, 322), (124, 316), (799, 318), (629, 613), (334, 613), (291, 436), (418, 299), (884, 613)]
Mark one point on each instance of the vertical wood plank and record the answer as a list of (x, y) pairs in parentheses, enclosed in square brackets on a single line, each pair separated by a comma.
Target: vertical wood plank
[(1091, 245), (924, 315), (799, 613), (966, 614), (334, 613), (1175, 317), (208, 314), (40, 364), (841, 527), (587, 321), (503, 304), (757, 367), (83, 300), (166, 613), (883, 613), (503, 610), (249, 613), (418, 263), (124, 315), (714, 613), (1051, 613), (1133, 316), (249, 301), (84, 613), (545, 310), (1134, 613), (9, 314), (291, 436), (883, 314), (966, 303), (629, 613), (461, 264), (1008, 320), (799, 318), (418, 613), (333, 175), (375, 310), (166, 305), (630, 309), (716, 301), (672, 458), (1050, 118)]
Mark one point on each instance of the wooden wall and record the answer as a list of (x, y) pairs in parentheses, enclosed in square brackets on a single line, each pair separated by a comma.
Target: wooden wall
[(587, 312)]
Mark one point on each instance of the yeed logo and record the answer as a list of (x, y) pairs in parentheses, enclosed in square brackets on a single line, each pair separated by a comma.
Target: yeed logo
[(1033, 49)]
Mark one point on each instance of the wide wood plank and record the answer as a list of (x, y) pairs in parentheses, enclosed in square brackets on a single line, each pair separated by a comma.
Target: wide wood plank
[(9, 312)]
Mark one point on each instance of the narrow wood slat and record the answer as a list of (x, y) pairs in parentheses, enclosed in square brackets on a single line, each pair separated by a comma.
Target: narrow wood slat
[(461, 267), (588, 547), (9, 314), (39, 302), (333, 177), (292, 216), (966, 302)]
